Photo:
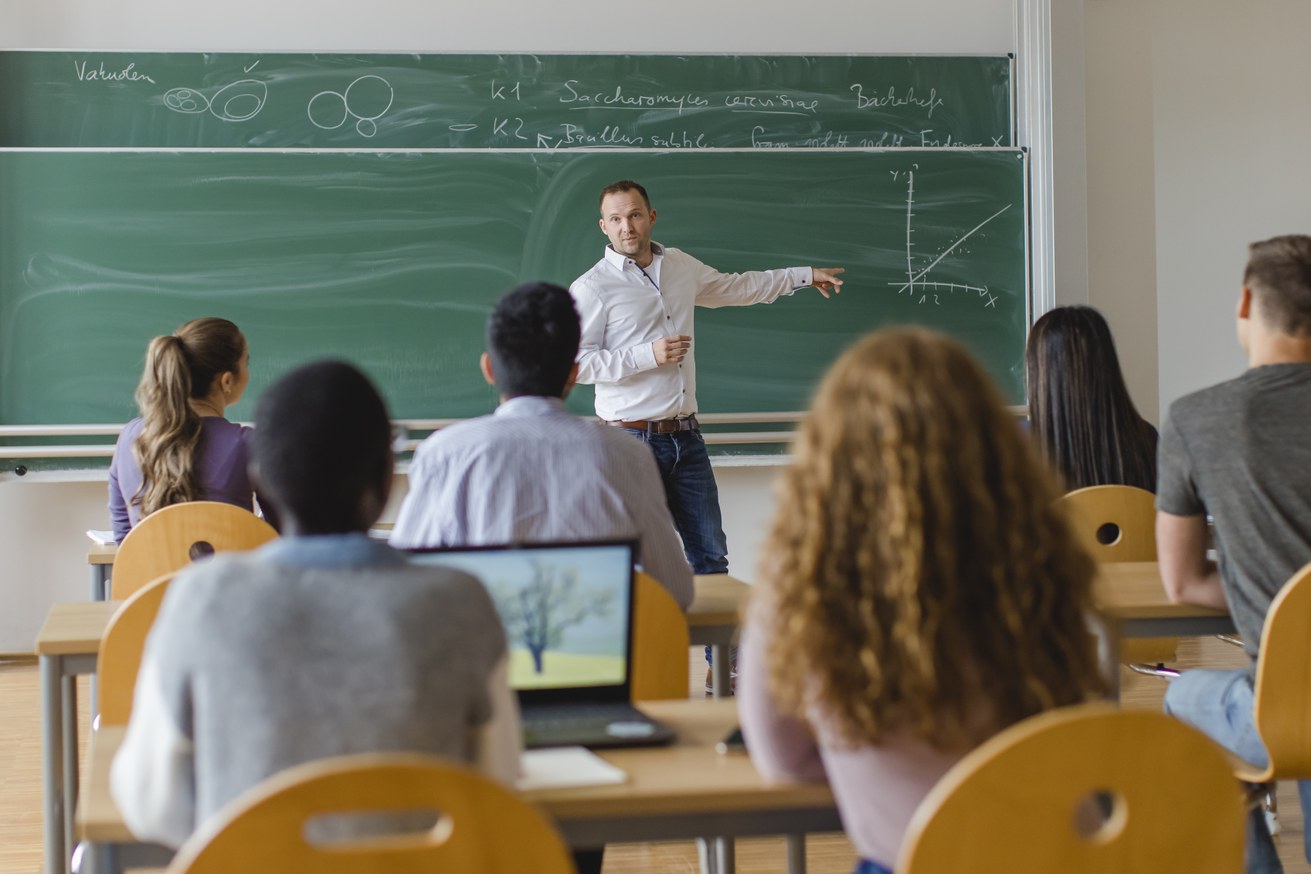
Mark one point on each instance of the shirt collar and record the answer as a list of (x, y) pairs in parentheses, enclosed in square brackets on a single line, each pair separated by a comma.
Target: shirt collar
[(621, 261), (530, 405), (338, 551)]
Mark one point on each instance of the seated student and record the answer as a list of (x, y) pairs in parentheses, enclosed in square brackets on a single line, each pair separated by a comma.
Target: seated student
[(319, 644), (920, 592), (1081, 415), (532, 471), (1241, 452), (181, 448)]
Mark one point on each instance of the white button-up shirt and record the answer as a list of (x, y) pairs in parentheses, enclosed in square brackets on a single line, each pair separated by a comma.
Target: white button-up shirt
[(625, 308)]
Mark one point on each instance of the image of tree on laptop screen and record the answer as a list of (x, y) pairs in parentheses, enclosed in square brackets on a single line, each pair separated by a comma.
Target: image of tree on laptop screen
[(565, 617)]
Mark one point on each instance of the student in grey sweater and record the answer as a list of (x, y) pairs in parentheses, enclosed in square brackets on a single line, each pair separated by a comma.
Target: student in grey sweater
[(319, 644)]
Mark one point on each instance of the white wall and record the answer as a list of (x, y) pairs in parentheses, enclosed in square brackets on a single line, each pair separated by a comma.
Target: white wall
[(1121, 214), (1231, 125), (949, 26), (42, 545)]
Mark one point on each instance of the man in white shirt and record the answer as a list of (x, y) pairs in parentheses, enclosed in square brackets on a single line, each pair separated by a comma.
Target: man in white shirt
[(637, 310)]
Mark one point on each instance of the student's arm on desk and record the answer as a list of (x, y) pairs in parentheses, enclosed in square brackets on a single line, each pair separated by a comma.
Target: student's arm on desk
[(782, 747), (1189, 577)]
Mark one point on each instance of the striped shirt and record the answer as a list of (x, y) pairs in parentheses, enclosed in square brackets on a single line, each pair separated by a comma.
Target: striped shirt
[(532, 471)]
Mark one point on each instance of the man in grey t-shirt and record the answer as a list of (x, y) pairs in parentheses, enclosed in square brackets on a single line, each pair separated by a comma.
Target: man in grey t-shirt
[(1241, 451)]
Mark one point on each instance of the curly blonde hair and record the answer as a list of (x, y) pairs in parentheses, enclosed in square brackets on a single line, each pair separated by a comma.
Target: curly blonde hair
[(918, 578)]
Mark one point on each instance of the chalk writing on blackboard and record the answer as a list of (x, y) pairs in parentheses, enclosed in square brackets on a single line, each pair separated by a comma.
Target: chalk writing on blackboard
[(366, 100), (916, 281), (237, 101)]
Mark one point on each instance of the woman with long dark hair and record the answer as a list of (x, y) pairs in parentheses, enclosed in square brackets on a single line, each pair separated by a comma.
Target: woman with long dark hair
[(1081, 415), (181, 448)]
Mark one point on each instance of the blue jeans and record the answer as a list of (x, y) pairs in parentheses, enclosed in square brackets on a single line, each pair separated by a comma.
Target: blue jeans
[(692, 496), (865, 866), (1219, 704)]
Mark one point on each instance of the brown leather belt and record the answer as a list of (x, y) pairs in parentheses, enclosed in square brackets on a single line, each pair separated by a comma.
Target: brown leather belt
[(658, 426)]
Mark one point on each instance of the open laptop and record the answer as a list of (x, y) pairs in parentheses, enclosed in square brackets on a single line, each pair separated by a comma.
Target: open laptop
[(568, 615)]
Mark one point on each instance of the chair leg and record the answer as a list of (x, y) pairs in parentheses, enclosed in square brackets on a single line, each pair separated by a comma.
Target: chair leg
[(1271, 807)]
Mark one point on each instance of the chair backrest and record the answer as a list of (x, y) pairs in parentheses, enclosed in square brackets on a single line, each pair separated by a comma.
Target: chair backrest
[(168, 539), (660, 643), (1115, 523), (1025, 801), (482, 827), (1283, 680), (121, 649)]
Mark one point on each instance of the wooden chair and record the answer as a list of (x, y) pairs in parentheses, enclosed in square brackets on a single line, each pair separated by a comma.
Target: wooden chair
[(660, 643), (121, 648), (169, 539), (1283, 686), (482, 828), (1118, 523), (1027, 801)]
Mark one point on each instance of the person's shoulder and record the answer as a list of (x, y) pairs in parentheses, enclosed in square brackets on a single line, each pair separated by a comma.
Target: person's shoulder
[(1204, 403), (131, 430), (587, 281), (453, 437), (225, 429)]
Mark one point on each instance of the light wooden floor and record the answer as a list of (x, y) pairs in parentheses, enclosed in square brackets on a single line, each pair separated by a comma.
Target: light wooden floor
[(20, 785)]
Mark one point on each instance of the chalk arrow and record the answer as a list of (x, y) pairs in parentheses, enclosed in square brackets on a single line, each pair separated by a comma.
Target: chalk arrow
[(543, 141)]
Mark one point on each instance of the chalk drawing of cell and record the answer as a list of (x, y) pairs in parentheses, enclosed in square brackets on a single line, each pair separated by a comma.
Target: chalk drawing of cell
[(238, 101), (366, 100)]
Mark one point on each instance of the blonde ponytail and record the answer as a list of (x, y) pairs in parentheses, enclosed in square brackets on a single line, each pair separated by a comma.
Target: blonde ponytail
[(180, 367)]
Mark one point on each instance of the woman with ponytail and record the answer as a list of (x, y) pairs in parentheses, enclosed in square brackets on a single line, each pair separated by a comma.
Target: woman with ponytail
[(181, 448)]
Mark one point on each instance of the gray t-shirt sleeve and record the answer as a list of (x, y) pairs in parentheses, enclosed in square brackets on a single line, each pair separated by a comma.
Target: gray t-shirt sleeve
[(1176, 489)]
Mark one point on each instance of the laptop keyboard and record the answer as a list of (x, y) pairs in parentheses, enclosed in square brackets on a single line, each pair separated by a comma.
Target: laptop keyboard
[(561, 717)]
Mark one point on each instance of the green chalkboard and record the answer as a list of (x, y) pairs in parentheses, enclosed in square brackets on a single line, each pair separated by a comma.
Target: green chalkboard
[(193, 100), (394, 259)]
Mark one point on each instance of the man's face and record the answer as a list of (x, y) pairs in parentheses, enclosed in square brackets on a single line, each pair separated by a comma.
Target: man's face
[(627, 221)]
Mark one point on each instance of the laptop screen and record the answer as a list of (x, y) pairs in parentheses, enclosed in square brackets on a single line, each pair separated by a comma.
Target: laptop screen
[(566, 608)]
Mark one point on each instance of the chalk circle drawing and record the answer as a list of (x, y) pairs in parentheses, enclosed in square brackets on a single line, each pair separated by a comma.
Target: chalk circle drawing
[(366, 100), (238, 101), (916, 282)]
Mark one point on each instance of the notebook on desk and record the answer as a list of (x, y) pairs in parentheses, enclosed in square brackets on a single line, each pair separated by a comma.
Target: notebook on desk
[(567, 609)]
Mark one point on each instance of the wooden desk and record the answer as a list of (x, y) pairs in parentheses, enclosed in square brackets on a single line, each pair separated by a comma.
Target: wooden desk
[(712, 620), (66, 646), (70, 639), (1132, 603), (673, 793)]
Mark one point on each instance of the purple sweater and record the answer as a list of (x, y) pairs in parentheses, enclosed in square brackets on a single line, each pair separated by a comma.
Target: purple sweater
[(877, 788), (221, 458)]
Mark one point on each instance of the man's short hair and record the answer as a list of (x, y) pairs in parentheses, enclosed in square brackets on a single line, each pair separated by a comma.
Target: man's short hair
[(1279, 274), (322, 441), (623, 185), (532, 339)]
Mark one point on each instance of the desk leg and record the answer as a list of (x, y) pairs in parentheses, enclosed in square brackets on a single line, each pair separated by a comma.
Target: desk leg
[(100, 582), (52, 766), (721, 671), (69, 753), (725, 855), (796, 854)]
